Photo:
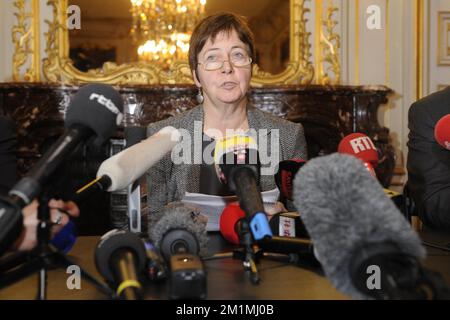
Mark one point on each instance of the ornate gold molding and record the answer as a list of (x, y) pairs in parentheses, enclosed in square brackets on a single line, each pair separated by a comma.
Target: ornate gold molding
[(58, 67), (331, 43), (25, 37)]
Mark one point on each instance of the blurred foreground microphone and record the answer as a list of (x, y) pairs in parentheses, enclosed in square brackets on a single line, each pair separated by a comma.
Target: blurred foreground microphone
[(120, 257), (94, 113), (356, 231), (230, 228), (180, 229), (362, 147), (239, 167), (122, 169), (442, 132)]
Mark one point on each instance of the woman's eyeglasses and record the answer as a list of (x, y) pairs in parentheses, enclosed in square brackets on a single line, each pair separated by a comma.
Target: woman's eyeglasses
[(237, 61)]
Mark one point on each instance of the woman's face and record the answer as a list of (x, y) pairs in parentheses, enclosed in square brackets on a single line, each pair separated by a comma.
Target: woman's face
[(229, 84)]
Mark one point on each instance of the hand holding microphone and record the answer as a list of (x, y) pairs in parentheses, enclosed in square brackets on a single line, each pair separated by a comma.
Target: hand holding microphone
[(60, 213), (93, 114)]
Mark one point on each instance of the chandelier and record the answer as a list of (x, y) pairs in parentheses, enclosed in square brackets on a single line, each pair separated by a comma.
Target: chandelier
[(162, 28)]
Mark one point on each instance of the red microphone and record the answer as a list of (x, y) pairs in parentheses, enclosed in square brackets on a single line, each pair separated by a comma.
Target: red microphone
[(229, 218), (442, 132), (361, 146)]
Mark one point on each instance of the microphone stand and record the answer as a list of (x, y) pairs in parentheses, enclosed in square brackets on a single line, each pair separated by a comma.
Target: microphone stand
[(247, 255), (42, 258)]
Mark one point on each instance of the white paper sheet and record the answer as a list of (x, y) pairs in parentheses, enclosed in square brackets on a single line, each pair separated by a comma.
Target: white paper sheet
[(212, 206)]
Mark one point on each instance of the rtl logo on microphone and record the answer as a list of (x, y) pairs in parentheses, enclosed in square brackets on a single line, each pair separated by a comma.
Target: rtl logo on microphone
[(361, 144)]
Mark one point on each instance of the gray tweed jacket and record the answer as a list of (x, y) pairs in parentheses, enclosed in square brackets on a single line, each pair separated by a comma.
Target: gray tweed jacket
[(168, 182)]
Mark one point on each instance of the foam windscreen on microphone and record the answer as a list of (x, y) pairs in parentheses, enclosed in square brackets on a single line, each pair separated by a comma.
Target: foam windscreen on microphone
[(180, 216), (130, 164), (442, 132), (231, 214), (98, 107), (360, 146), (345, 211)]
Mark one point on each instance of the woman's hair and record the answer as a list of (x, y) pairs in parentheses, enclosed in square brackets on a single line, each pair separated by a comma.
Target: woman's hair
[(213, 25)]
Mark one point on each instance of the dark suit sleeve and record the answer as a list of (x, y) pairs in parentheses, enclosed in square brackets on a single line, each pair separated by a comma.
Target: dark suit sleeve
[(8, 161), (428, 167)]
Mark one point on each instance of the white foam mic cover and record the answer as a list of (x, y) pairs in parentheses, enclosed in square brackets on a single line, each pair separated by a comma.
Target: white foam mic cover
[(130, 164)]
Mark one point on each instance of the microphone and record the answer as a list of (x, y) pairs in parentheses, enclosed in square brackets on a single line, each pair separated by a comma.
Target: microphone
[(180, 234), (238, 166), (134, 135), (120, 257), (180, 229), (119, 171), (442, 132), (230, 227), (94, 113), (357, 230), (288, 224), (362, 147), (156, 268), (284, 177)]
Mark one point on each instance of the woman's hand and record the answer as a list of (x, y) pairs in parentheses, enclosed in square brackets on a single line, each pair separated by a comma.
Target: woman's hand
[(272, 209), (28, 239)]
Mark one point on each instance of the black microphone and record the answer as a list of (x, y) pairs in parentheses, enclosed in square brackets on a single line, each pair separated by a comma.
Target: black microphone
[(240, 170), (284, 177), (94, 112), (120, 257), (180, 229), (366, 247)]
